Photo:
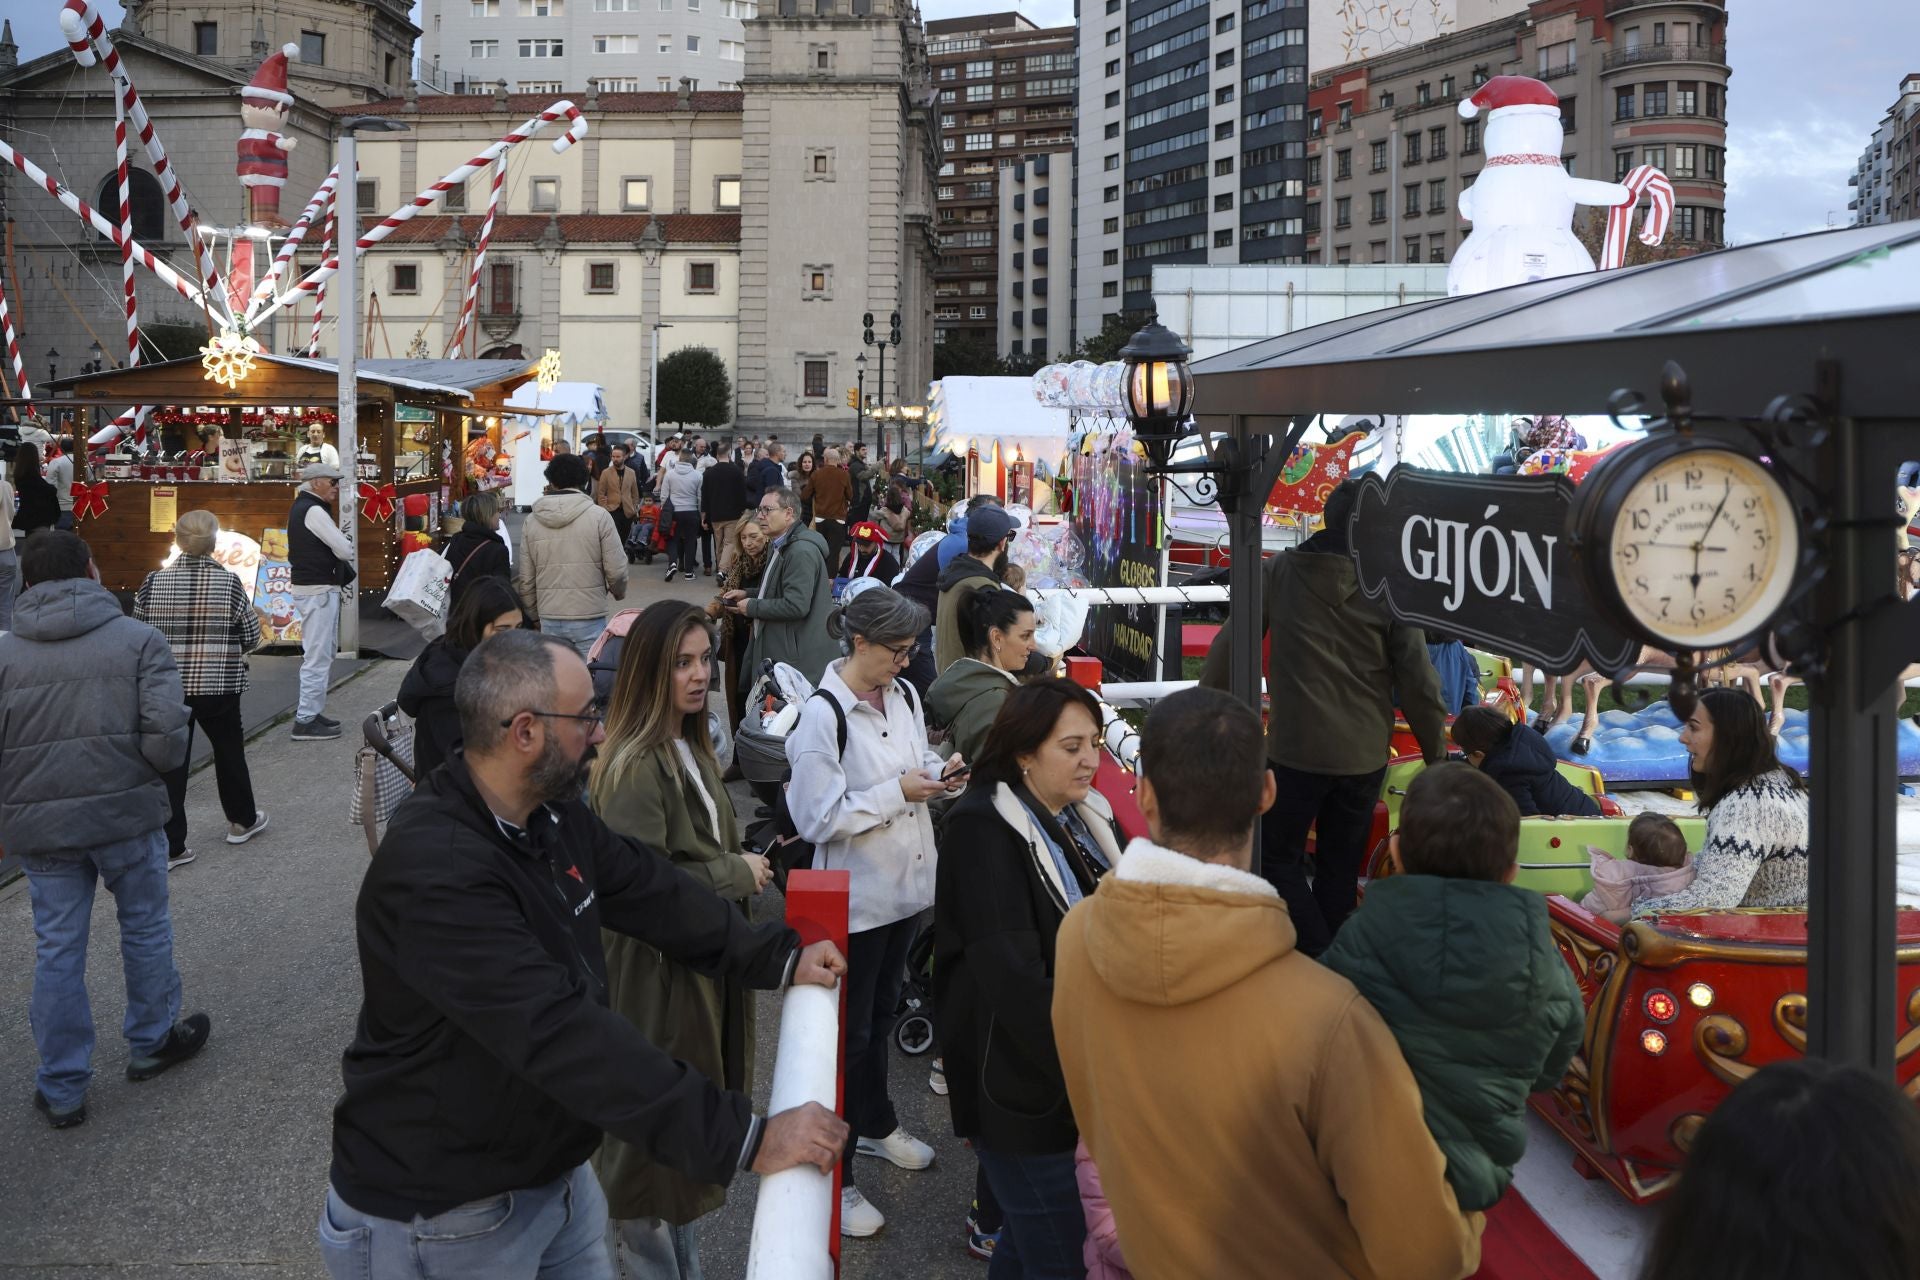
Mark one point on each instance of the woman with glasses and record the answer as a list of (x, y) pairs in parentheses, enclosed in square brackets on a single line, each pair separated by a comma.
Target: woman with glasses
[(656, 779), (860, 796)]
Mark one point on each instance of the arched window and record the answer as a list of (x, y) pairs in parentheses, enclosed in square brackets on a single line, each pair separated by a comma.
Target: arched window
[(149, 204), (511, 351)]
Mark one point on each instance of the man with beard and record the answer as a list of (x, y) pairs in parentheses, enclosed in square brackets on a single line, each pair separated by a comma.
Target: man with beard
[(485, 1063)]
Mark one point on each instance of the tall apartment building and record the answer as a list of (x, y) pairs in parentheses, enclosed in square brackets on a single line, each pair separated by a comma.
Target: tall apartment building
[(1192, 143), (1036, 277), (1005, 94), (1639, 82), (1887, 179), (557, 46)]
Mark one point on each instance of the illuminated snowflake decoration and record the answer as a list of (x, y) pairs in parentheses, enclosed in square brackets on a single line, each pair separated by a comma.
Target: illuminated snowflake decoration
[(548, 374), (228, 357)]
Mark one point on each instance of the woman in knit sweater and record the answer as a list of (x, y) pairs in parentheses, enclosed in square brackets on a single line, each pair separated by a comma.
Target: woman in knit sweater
[(1755, 853)]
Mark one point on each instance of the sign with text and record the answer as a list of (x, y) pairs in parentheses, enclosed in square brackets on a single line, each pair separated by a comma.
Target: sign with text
[(1486, 559), (1116, 516)]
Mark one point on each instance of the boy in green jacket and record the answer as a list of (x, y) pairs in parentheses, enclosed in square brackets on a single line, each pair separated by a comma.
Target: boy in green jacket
[(1461, 966)]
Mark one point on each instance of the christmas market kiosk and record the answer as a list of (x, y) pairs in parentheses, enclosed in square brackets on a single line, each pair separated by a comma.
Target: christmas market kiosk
[(236, 450)]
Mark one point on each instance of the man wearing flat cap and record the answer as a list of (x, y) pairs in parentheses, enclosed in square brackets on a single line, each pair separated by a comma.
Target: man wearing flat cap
[(322, 564)]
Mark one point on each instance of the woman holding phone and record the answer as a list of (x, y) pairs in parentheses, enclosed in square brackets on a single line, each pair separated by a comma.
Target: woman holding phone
[(862, 776)]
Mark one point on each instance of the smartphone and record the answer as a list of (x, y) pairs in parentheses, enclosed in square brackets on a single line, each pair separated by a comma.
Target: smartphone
[(960, 770)]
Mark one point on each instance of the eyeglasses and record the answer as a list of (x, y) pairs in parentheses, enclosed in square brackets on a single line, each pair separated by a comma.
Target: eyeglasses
[(902, 653), (594, 718)]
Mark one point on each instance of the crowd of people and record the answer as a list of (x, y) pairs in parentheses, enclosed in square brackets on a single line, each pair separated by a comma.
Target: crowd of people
[(552, 1072)]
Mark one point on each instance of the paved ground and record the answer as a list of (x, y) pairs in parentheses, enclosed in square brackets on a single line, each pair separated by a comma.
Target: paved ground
[(218, 1168)]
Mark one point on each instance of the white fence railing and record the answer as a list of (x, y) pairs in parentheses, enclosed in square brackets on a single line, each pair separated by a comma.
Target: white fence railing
[(793, 1218)]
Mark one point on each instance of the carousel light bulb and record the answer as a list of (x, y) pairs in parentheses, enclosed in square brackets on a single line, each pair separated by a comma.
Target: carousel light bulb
[(228, 357)]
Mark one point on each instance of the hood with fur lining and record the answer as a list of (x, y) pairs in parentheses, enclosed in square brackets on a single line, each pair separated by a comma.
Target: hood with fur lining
[(1166, 929)]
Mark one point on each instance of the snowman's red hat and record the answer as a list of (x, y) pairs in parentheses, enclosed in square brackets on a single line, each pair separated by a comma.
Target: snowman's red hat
[(1508, 91), (269, 83)]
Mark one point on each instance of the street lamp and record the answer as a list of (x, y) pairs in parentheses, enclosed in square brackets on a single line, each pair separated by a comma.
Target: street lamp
[(652, 244), (860, 410), (53, 364), (98, 361), (348, 287), (1159, 390)]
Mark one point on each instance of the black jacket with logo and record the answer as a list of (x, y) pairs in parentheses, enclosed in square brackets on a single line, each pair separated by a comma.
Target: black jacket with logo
[(485, 1058)]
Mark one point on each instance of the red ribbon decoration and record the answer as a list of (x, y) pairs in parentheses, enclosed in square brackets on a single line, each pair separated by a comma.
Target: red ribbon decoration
[(377, 504), (89, 500)]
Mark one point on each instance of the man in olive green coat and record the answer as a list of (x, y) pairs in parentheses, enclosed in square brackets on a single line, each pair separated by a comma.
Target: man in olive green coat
[(796, 595)]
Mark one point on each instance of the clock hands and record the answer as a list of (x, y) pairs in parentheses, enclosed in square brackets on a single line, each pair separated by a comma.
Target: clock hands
[(1725, 493)]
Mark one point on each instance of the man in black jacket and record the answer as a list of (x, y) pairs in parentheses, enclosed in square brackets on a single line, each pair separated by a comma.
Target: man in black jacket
[(486, 1064), (723, 500), (766, 473)]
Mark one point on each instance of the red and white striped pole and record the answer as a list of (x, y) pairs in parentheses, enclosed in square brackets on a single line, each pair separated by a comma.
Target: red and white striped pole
[(320, 295), (576, 129), (322, 202), (13, 346), (479, 258), (85, 32), (1642, 181), (126, 234)]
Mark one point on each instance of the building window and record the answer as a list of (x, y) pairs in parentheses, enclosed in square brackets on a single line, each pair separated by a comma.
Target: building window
[(1223, 24), (1413, 198), (1413, 249), (1714, 92), (636, 193), (1413, 148), (454, 199), (1659, 33), (976, 313), (1223, 130), (1569, 119), (1657, 157), (483, 8), (664, 45), (726, 193), (206, 39), (1436, 248), (813, 379), (1377, 206), (1422, 94), (366, 195), (544, 195), (1623, 104), (1653, 101), (1379, 157), (1685, 163), (1713, 162), (616, 44), (600, 277), (693, 44), (1622, 164), (1223, 167), (1346, 115), (979, 142), (543, 48), (1313, 171), (1223, 202), (313, 48), (1109, 257), (537, 86), (542, 8), (818, 166), (816, 282), (1113, 98), (1437, 143), (1313, 124), (1710, 226), (1113, 68), (1110, 289), (1312, 222), (1437, 196), (1223, 59), (1470, 137), (405, 278), (1113, 129), (1223, 95), (483, 48), (702, 277), (1343, 211), (1686, 100), (1223, 237), (501, 278), (1110, 195), (1342, 164)]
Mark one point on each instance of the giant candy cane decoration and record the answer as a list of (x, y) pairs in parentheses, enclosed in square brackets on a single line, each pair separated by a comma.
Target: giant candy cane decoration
[(479, 259), (320, 295), (126, 234), (576, 130), (1644, 180), (85, 33), (93, 217), (322, 201), (13, 349)]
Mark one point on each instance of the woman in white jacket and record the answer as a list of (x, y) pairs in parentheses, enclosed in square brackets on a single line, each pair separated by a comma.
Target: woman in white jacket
[(860, 796)]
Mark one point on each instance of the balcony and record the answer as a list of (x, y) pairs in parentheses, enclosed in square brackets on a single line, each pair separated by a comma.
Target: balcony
[(1715, 54)]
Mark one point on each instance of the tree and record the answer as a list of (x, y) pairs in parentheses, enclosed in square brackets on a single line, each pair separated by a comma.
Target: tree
[(965, 356), (695, 389), (1114, 334), (1024, 365), (171, 340), (1590, 229)]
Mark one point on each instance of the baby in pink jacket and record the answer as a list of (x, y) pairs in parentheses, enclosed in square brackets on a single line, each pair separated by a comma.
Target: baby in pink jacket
[(1101, 1253), (1657, 863)]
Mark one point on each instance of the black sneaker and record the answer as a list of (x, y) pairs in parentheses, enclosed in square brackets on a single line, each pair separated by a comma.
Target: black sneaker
[(186, 1038), (327, 720), (314, 730), (74, 1115), (673, 571)]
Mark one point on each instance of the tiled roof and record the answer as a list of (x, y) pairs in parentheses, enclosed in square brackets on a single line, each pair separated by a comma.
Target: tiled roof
[(577, 228), (532, 104)]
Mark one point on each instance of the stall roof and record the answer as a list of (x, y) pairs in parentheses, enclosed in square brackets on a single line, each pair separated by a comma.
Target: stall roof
[(573, 402), (967, 409), (401, 375), (463, 375), (1736, 320)]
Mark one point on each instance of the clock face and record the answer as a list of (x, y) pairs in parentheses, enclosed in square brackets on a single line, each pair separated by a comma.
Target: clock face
[(1703, 548)]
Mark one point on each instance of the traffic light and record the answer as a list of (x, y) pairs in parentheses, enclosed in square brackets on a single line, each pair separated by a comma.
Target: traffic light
[(853, 398), (866, 321), (893, 324)]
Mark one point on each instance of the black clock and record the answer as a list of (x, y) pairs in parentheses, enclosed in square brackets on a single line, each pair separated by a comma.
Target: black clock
[(1687, 543)]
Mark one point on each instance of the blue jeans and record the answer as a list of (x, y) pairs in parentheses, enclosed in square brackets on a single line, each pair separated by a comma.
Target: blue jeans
[(9, 581), (1045, 1230), (649, 1249), (554, 1232), (61, 889), (578, 632)]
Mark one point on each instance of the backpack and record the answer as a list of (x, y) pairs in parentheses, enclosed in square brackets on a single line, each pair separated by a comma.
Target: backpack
[(786, 847)]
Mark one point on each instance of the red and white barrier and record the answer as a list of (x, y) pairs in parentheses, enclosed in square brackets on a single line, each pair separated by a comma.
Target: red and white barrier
[(1642, 181)]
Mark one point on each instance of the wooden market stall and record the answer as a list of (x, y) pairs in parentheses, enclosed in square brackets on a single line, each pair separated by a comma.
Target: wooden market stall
[(234, 451)]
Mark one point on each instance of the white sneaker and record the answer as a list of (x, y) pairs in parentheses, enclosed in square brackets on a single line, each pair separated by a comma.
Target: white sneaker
[(937, 1078), (858, 1217), (237, 834), (898, 1148)]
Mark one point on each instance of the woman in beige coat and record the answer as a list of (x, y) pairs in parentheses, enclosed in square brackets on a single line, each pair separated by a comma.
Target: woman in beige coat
[(657, 780)]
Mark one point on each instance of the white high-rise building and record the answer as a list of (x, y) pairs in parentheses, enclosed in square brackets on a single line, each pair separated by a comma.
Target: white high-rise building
[(557, 46)]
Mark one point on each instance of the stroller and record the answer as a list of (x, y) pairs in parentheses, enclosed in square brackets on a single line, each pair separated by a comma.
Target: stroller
[(640, 537), (913, 1029), (760, 749)]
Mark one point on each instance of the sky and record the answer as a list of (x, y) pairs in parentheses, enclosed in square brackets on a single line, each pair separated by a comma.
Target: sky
[(1804, 97)]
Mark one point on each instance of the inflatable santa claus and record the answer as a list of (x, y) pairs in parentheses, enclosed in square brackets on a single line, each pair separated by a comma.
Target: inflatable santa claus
[(262, 167), (1521, 206)]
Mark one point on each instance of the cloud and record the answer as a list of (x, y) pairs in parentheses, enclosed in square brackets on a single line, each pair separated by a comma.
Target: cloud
[(1789, 176)]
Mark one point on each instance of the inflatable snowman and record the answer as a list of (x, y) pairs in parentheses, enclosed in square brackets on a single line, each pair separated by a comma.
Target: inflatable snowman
[(1521, 206), (262, 163)]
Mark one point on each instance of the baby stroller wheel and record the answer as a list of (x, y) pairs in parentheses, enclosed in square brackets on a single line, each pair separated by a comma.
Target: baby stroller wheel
[(914, 1033)]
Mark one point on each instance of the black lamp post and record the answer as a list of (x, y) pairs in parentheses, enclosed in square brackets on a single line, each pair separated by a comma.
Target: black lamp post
[(98, 361), (860, 409), (53, 364), (1159, 390)]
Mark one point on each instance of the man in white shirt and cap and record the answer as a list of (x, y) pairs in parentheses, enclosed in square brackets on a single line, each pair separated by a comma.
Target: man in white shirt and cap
[(322, 563), (316, 449)]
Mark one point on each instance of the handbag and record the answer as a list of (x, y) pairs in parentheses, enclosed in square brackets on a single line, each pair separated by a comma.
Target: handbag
[(380, 781), (419, 592)]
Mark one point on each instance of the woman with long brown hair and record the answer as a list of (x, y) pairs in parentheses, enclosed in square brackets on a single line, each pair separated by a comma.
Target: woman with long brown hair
[(656, 779)]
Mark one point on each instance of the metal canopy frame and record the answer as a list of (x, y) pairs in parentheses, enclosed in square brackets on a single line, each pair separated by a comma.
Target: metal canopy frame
[(1830, 392)]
